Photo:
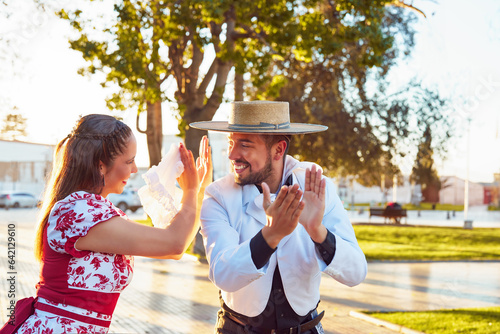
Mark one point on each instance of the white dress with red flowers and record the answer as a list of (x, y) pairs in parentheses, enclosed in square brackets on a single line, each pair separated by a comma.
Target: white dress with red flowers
[(78, 290)]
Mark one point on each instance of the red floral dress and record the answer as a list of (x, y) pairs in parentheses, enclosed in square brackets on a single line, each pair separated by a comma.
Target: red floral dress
[(78, 290)]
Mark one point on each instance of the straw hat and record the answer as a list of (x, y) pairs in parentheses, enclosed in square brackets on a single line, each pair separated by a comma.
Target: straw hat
[(265, 117)]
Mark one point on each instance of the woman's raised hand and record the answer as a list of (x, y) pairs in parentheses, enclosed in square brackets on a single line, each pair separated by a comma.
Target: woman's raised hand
[(189, 179), (204, 164)]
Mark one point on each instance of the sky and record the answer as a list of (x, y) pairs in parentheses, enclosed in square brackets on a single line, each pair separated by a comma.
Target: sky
[(457, 51)]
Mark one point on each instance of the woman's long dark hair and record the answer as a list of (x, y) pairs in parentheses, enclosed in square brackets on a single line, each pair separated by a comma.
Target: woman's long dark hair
[(95, 139)]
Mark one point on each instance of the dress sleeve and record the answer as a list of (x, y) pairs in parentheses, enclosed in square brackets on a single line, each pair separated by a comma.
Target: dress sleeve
[(73, 217)]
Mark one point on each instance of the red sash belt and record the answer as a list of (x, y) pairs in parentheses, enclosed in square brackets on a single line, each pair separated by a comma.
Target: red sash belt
[(71, 315)]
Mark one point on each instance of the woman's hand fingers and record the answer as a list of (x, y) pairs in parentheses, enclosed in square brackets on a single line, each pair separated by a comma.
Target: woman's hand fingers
[(189, 178), (205, 168), (185, 156)]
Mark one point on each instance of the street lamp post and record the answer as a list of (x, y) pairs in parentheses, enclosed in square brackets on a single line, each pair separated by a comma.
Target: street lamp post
[(467, 222)]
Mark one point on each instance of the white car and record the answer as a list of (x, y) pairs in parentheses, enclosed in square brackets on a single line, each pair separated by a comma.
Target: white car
[(17, 200), (128, 199)]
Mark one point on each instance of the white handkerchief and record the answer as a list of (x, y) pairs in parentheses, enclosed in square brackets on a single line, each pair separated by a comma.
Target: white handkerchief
[(160, 197)]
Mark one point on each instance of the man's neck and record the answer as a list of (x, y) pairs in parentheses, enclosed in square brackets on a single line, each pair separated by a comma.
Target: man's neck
[(274, 185)]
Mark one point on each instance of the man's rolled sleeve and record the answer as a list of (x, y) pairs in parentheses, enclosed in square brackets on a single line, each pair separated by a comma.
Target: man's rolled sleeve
[(326, 249), (261, 252)]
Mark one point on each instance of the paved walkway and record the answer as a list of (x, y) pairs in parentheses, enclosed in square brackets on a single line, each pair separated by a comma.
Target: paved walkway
[(168, 296)]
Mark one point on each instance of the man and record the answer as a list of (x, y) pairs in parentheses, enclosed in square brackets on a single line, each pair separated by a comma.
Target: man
[(266, 252)]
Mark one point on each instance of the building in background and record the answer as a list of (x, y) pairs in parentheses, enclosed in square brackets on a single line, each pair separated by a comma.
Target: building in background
[(453, 190), (492, 191), (351, 192), (24, 167)]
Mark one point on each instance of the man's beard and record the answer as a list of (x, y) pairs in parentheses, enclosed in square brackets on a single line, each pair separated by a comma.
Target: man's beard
[(255, 177)]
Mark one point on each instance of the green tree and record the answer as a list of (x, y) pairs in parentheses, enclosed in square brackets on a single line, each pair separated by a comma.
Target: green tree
[(368, 136), (370, 129), (424, 171), (341, 82), (14, 126), (147, 46)]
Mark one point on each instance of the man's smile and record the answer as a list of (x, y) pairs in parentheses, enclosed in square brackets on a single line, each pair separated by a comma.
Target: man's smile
[(239, 167)]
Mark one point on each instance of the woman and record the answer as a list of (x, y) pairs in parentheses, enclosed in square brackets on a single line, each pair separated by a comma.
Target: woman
[(86, 244)]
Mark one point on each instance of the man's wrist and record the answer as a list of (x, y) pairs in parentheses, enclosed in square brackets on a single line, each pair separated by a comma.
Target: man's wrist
[(318, 234), (271, 239)]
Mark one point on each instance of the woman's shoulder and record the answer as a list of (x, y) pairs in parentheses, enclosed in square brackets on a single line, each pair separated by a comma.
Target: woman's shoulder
[(81, 199), (73, 216), (82, 206)]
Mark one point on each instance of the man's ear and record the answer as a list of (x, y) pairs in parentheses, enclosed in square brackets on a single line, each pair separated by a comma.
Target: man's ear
[(279, 150)]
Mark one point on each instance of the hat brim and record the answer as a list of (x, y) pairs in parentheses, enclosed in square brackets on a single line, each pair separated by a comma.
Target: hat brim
[(293, 129)]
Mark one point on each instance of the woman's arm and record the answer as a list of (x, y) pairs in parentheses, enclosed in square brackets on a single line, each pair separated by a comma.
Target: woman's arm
[(121, 236)]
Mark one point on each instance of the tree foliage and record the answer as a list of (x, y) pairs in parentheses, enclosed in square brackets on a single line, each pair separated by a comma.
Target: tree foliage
[(279, 47), (424, 172), (370, 129)]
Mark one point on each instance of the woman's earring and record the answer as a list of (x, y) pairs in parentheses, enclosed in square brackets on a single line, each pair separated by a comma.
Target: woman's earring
[(103, 180)]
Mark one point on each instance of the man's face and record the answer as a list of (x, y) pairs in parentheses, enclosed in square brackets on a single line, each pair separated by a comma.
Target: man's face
[(250, 159)]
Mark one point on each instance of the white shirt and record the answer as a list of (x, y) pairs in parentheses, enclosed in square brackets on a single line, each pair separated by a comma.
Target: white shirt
[(232, 215)]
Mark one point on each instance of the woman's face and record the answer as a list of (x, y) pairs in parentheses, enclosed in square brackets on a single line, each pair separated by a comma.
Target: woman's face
[(116, 175)]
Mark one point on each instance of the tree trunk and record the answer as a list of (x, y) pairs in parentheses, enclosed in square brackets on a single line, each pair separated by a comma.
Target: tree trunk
[(192, 140), (198, 112), (154, 132), (238, 86)]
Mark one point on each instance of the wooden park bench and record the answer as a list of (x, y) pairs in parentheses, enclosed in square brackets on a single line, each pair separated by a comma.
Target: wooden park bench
[(394, 214)]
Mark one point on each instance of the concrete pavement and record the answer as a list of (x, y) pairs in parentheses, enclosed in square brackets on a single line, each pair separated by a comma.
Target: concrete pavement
[(176, 296)]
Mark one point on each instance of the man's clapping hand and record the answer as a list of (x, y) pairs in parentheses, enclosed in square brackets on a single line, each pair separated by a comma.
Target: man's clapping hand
[(314, 198), (282, 214)]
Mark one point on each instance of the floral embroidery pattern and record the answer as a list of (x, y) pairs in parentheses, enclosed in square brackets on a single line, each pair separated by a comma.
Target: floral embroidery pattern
[(100, 272), (56, 325)]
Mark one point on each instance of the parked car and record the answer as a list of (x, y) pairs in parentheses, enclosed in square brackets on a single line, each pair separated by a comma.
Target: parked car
[(17, 200), (128, 199)]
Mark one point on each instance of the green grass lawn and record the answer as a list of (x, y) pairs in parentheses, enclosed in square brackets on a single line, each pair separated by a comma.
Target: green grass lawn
[(428, 206), (472, 320), (396, 243), (392, 243)]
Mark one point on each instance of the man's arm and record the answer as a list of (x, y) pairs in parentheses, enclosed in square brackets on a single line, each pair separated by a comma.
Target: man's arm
[(328, 225), (348, 265)]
